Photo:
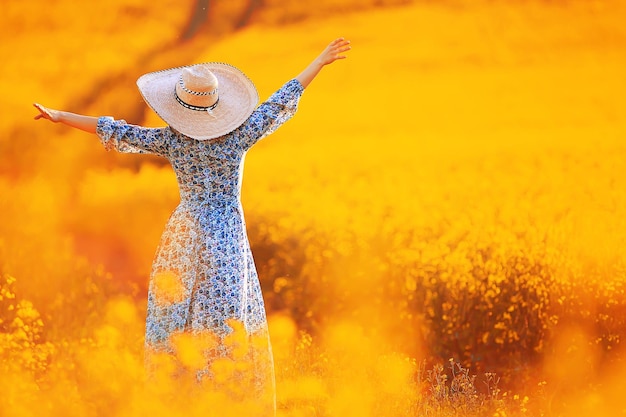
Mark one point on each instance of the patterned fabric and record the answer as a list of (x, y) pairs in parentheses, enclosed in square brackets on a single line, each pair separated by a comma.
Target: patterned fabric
[(203, 277)]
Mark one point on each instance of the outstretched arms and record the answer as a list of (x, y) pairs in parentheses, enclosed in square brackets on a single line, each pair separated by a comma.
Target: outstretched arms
[(86, 123), (282, 105), (114, 134), (333, 52)]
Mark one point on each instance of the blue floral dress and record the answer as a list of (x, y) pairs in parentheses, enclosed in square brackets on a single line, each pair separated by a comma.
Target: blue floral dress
[(204, 263)]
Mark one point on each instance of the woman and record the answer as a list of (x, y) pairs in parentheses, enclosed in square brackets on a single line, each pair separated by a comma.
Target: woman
[(204, 284)]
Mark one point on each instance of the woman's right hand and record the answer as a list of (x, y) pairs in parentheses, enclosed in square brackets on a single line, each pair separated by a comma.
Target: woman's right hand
[(46, 113), (334, 51)]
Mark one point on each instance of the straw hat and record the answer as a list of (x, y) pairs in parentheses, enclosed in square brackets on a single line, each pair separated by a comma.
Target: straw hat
[(203, 101)]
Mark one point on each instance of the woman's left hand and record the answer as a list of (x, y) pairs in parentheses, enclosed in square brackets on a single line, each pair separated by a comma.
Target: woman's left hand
[(46, 113)]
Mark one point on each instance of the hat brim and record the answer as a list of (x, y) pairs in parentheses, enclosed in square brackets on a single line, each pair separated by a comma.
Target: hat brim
[(238, 98)]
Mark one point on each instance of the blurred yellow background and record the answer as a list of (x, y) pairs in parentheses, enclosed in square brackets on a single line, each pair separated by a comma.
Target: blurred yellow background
[(455, 189)]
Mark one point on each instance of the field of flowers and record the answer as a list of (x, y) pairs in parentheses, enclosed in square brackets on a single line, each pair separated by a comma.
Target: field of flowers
[(439, 231)]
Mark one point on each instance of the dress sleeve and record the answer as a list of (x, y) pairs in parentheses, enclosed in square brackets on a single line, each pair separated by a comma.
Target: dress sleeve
[(123, 137), (268, 117)]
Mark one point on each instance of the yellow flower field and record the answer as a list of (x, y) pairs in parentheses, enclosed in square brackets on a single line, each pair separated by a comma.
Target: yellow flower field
[(439, 231)]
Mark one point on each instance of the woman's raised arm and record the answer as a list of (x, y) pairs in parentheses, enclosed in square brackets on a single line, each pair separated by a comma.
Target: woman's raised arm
[(332, 53), (86, 123)]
